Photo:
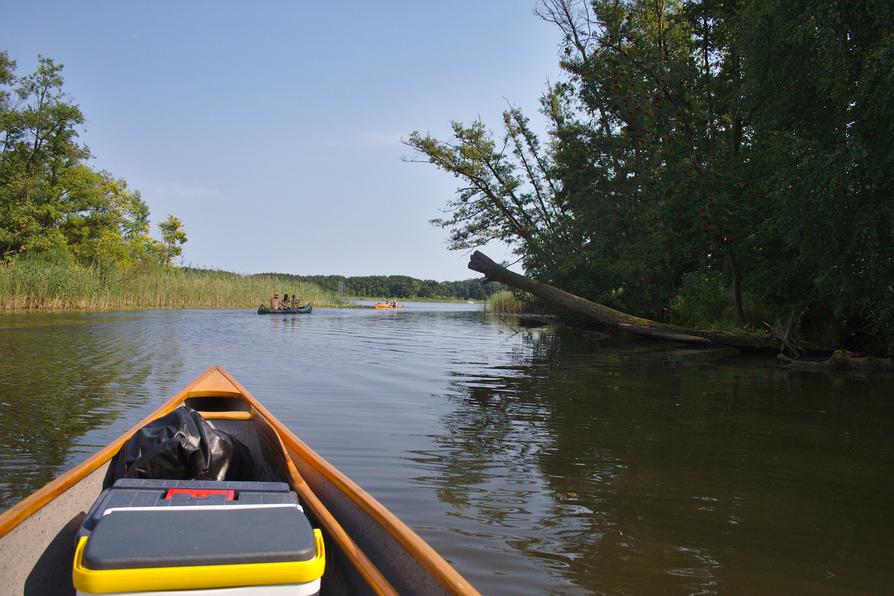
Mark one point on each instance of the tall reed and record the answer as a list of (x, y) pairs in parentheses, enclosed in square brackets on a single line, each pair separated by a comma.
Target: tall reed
[(34, 283), (506, 301)]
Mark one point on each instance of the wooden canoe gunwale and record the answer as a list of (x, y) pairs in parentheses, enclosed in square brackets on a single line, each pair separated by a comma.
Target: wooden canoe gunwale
[(417, 548), (440, 569), (367, 569)]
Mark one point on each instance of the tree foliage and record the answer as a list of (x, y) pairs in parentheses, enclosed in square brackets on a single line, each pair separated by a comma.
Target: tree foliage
[(51, 201), (742, 141), (820, 93)]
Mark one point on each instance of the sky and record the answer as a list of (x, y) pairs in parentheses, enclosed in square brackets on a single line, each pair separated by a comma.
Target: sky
[(273, 129)]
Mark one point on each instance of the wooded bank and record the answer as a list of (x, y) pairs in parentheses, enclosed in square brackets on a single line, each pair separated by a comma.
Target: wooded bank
[(701, 163)]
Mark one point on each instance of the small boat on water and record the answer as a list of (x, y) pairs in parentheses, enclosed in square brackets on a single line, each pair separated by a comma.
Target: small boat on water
[(385, 305), (356, 545), (288, 310)]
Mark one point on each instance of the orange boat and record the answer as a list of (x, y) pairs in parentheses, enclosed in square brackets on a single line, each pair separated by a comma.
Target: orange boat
[(367, 548), (384, 305)]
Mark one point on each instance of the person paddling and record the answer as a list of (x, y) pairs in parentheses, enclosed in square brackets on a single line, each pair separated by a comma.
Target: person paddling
[(275, 303)]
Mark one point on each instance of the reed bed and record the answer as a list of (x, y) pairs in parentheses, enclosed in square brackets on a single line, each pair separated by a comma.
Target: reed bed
[(506, 302), (36, 284)]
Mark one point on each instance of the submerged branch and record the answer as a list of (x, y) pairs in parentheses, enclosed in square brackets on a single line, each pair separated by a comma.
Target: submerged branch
[(840, 361)]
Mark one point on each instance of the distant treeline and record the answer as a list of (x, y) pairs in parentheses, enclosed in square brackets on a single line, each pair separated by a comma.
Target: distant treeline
[(401, 286)]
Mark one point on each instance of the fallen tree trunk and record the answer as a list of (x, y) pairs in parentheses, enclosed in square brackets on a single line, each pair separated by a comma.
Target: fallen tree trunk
[(742, 340)]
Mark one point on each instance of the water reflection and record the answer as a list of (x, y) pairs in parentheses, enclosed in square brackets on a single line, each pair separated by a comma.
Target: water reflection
[(625, 476), (62, 378)]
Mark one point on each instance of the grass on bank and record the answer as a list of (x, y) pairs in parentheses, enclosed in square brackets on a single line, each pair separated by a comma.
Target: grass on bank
[(35, 283), (506, 301)]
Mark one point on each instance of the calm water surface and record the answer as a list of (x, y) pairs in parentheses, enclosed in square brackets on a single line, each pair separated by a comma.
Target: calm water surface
[(540, 462)]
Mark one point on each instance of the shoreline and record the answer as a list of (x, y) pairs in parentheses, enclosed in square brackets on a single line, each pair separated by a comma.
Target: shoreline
[(34, 284), (201, 306)]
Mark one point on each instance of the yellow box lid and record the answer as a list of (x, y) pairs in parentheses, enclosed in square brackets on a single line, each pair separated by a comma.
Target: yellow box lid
[(196, 577)]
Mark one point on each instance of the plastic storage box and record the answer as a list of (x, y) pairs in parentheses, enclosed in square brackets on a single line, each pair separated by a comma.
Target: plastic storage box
[(154, 537)]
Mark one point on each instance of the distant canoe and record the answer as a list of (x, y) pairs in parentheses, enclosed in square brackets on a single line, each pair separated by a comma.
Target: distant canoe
[(380, 305), (301, 310)]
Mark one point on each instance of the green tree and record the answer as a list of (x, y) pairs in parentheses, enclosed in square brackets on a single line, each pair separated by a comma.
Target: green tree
[(39, 145), (650, 144), (50, 200), (507, 192), (173, 238)]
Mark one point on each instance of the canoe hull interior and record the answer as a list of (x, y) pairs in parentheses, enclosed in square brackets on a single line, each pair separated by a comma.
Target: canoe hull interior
[(37, 535), (37, 549)]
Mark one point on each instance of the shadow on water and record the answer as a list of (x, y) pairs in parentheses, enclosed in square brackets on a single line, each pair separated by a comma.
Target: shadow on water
[(66, 377), (619, 474)]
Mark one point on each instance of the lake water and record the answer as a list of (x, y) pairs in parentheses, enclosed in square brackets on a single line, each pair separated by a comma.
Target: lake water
[(544, 461)]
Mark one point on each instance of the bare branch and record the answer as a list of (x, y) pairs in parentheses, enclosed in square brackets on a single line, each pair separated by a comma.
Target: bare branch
[(573, 18)]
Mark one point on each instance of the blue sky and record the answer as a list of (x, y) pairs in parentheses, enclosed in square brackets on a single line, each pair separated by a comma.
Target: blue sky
[(272, 129)]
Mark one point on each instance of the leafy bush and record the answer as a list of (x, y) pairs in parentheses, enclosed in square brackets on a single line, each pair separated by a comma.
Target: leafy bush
[(702, 300)]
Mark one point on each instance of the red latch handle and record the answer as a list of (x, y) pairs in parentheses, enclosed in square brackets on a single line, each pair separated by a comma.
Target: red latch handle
[(200, 493)]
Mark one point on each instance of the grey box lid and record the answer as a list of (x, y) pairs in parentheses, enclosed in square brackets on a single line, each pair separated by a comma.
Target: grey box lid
[(145, 492), (239, 485), (182, 536)]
